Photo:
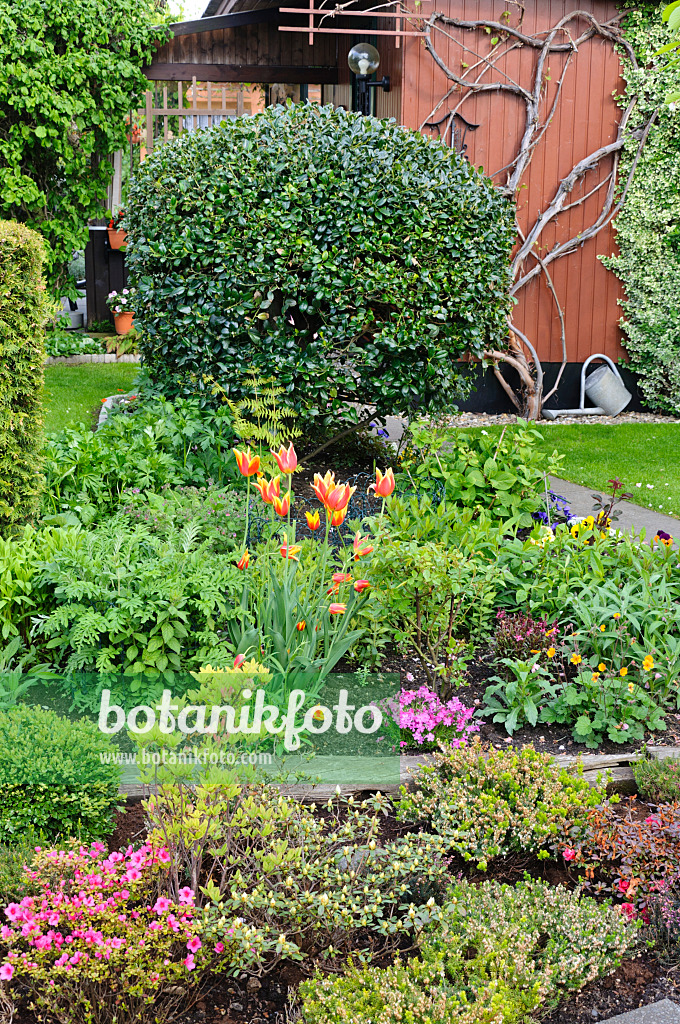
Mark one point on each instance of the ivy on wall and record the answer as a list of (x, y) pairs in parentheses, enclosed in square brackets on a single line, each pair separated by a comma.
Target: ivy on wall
[(648, 227)]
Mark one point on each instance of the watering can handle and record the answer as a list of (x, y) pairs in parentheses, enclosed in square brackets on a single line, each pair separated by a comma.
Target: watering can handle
[(598, 355)]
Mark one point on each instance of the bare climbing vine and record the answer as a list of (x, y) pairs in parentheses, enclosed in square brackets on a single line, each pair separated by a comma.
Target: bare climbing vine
[(480, 73)]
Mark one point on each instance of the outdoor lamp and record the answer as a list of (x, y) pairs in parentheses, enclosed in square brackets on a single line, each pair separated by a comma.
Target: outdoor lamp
[(363, 60)]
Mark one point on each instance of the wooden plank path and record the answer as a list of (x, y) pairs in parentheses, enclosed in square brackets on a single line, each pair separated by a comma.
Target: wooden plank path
[(594, 765)]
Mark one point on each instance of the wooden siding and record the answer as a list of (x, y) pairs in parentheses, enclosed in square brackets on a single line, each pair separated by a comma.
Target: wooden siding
[(257, 45), (585, 119)]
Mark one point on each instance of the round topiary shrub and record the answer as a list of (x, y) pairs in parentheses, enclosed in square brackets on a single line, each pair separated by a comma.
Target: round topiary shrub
[(354, 260), (53, 778)]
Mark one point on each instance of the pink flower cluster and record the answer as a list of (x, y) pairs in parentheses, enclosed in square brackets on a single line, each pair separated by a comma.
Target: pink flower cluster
[(422, 713), (94, 908)]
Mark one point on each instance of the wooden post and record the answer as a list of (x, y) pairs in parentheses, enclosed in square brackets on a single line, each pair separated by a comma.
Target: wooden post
[(149, 122)]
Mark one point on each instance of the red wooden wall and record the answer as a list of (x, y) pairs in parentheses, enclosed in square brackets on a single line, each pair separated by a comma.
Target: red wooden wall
[(585, 119)]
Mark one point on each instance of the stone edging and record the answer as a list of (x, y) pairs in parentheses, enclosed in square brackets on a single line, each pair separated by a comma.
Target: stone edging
[(104, 357)]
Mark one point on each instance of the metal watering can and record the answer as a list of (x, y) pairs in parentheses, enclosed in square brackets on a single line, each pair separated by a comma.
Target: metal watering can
[(604, 387)]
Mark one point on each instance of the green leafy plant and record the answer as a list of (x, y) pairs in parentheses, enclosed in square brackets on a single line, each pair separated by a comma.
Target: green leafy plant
[(599, 704), (279, 249), (153, 443), (129, 602), (217, 512), (15, 857), (488, 803), (24, 309), (61, 342), (658, 779), (498, 953), (504, 477), (52, 776), (290, 883), (429, 593), (76, 73), (518, 700)]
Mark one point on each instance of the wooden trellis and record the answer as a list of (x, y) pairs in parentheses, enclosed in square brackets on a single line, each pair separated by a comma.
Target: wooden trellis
[(330, 13), (206, 100)]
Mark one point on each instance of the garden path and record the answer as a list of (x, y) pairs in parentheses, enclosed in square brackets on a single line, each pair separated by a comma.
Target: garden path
[(633, 517), (664, 1012)]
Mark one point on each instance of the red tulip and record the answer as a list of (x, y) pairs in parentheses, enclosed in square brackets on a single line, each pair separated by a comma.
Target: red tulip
[(358, 550), (313, 519), (238, 660), (300, 625), (282, 505), (322, 485), (337, 497), (248, 463), (361, 585), (342, 577), (244, 560), (384, 485), (286, 460), (337, 609)]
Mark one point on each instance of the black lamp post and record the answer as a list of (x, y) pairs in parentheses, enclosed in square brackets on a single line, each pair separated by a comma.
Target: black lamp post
[(363, 60)]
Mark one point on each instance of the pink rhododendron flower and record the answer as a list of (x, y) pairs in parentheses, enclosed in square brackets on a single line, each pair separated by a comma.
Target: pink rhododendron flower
[(194, 944), (189, 963), (6, 972), (219, 947), (186, 895), (629, 910), (569, 854)]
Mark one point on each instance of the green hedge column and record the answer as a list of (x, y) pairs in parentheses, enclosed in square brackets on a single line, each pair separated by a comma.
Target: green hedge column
[(23, 310)]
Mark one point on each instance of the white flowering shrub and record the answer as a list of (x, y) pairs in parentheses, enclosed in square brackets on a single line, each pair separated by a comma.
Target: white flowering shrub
[(488, 803), (496, 954)]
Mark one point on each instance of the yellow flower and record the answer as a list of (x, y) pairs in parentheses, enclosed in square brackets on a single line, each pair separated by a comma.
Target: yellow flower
[(576, 659), (616, 615), (631, 687), (535, 652), (550, 652), (595, 676), (602, 629), (623, 671), (601, 667), (648, 663), (574, 530)]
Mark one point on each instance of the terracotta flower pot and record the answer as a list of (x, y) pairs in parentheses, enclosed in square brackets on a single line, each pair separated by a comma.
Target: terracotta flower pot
[(123, 322), (117, 237)]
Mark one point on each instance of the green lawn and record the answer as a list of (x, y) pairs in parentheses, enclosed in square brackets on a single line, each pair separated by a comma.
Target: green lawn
[(644, 456), (73, 394)]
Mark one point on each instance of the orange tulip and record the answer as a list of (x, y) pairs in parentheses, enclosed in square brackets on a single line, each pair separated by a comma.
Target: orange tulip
[(361, 585), (269, 489), (342, 577), (281, 505), (338, 518), (244, 560), (358, 550), (384, 485), (248, 463), (322, 484), (238, 660), (337, 497), (290, 552), (286, 460), (300, 625), (337, 609), (313, 519)]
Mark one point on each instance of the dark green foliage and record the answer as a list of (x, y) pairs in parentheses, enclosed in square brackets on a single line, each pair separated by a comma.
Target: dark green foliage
[(23, 309), (352, 259), (52, 777), (73, 74)]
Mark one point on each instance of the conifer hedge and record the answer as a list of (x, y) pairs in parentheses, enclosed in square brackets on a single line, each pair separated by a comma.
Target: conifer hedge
[(24, 308)]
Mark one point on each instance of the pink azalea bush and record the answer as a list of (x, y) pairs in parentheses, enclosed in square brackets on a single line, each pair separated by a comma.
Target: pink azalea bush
[(95, 945), (423, 719)]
